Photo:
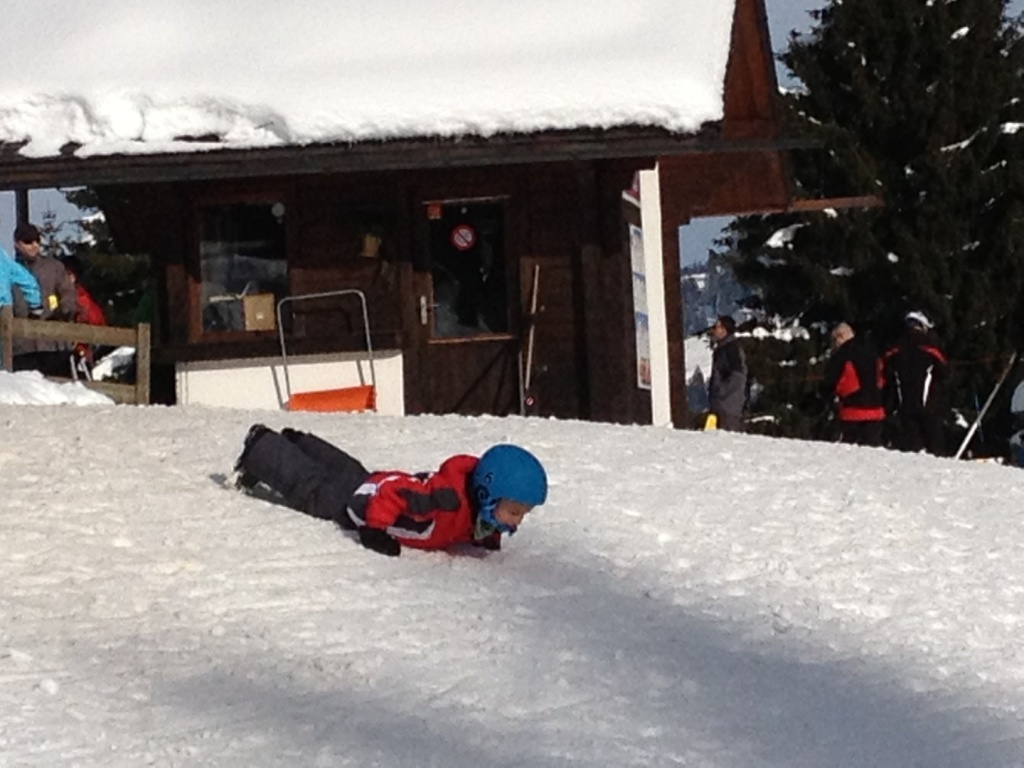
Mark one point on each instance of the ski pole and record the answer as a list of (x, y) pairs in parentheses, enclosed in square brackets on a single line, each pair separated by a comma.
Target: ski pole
[(985, 407)]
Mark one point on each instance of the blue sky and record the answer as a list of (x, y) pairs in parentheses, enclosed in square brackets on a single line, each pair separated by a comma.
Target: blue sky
[(786, 15)]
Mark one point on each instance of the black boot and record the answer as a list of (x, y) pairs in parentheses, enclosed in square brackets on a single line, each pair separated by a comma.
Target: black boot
[(305, 484), (245, 481)]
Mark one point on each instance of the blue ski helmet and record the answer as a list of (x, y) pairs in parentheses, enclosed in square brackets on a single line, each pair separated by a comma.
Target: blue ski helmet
[(507, 472)]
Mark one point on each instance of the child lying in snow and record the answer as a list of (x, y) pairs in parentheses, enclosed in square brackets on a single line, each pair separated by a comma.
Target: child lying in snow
[(466, 500)]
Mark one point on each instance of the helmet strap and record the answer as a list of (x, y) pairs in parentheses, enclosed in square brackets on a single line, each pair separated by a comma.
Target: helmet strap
[(487, 523)]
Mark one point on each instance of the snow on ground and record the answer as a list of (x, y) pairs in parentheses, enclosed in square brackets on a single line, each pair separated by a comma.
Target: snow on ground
[(697, 351), (685, 598), (31, 388)]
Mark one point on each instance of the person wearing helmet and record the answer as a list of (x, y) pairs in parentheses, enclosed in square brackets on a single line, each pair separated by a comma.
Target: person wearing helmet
[(467, 500), (917, 373)]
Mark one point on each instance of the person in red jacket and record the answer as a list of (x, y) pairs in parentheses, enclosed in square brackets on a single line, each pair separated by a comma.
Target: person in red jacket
[(855, 378), (467, 500), (88, 312)]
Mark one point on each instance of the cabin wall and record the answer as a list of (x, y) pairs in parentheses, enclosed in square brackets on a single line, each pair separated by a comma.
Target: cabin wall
[(260, 383), (568, 219), (565, 218)]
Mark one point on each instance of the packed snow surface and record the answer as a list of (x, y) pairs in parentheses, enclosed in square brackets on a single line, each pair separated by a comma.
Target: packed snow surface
[(684, 599), (135, 76)]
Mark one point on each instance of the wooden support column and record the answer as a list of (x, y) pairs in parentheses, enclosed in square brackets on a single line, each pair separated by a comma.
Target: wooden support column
[(7, 337), (591, 311), (674, 319), (21, 213), (651, 221)]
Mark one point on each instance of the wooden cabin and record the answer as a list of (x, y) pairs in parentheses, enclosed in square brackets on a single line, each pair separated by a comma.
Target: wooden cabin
[(504, 272)]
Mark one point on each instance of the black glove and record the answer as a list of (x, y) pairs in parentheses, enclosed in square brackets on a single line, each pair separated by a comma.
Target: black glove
[(491, 543), (379, 541)]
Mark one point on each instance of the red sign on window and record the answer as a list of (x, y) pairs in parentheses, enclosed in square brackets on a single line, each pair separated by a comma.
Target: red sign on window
[(463, 237)]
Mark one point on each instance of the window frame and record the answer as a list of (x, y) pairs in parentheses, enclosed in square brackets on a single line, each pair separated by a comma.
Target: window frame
[(213, 199), (502, 201)]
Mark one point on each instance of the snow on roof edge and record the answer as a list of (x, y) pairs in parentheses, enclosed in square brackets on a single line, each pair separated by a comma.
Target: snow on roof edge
[(327, 73)]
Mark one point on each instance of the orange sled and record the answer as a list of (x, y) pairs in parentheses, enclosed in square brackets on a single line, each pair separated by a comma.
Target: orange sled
[(362, 397)]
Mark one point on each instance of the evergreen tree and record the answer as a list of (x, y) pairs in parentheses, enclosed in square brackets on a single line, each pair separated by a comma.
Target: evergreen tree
[(916, 101), (118, 281)]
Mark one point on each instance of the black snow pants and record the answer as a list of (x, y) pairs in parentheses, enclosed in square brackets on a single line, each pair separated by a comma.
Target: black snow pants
[(922, 431), (312, 475)]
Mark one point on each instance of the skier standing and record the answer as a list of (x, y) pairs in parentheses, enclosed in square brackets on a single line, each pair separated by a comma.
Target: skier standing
[(917, 373), (854, 377), (727, 389)]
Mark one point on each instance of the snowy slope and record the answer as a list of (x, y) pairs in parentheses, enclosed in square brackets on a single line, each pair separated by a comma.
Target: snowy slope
[(684, 598)]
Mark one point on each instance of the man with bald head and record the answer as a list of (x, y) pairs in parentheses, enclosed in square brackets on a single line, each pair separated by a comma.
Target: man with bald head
[(854, 378)]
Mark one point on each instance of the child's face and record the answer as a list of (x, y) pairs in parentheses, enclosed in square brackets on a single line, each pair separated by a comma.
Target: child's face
[(510, 512)]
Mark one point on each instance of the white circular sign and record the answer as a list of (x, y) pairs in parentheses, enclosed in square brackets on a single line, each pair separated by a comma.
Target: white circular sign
[(463, 237)]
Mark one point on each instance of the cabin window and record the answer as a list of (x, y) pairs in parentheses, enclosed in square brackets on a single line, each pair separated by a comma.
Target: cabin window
[(243, 265), (467, 255)]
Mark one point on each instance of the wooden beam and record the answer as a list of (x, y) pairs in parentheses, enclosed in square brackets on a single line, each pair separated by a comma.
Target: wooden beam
[(751, 90), (52, 330), (228, 163), (807, 205), (123, 394), (7, 335), (21, 212), (838, 203), (139, 336), (590, 315), (246, 346), (142, 364), (672, 276)]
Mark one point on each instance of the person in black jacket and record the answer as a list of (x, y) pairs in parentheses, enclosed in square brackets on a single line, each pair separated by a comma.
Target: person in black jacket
[(727, 389), (854, 377), (917, 373)]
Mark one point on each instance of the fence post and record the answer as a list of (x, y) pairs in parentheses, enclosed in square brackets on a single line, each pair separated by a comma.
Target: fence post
[(142, 364), (6, 320)]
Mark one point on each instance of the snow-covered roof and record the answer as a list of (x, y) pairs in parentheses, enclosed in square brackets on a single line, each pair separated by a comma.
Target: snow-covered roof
[(134, 76)]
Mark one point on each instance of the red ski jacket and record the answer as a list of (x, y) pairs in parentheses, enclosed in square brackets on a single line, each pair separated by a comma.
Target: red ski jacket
[(855, 376), (428, 510), (89, 311)]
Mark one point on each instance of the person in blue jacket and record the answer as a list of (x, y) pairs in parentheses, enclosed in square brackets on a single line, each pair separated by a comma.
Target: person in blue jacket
[(14, 274)]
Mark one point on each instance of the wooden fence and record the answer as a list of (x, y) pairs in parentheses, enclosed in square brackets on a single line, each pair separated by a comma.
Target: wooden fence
[(12, 327)]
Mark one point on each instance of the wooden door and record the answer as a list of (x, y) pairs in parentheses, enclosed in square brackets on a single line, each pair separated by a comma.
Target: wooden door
[(467, 289)]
